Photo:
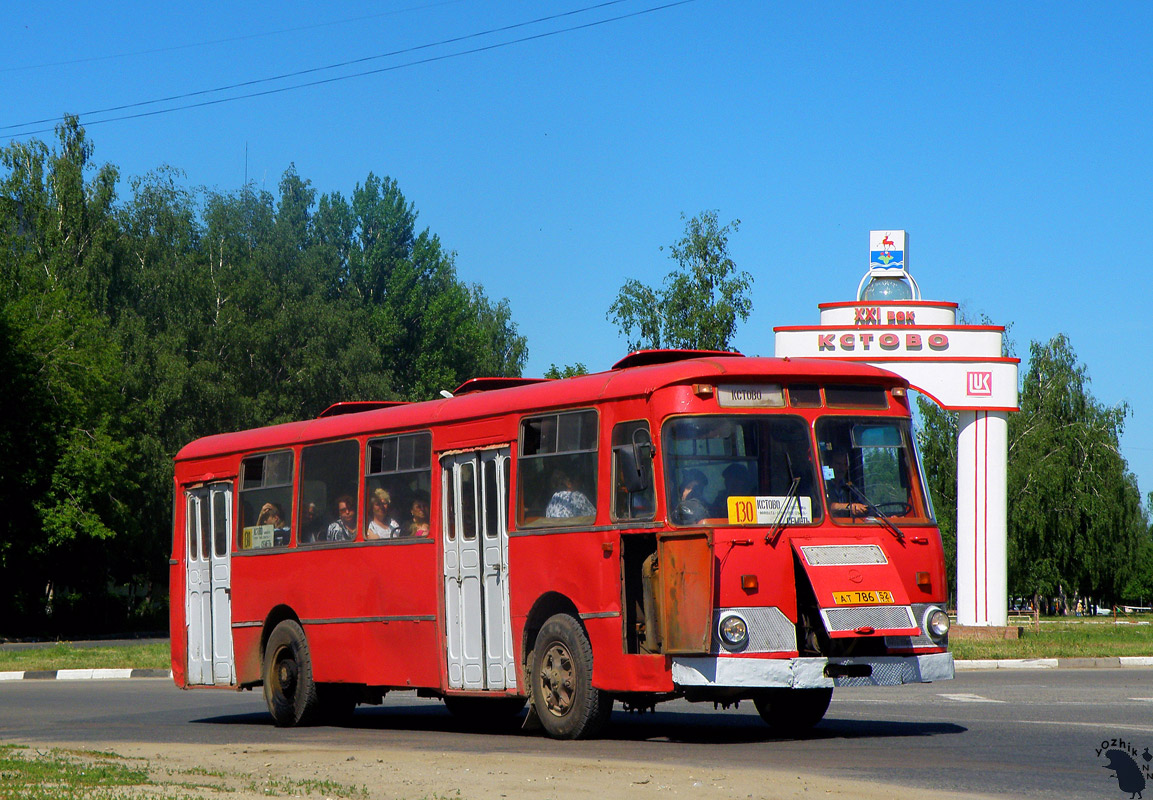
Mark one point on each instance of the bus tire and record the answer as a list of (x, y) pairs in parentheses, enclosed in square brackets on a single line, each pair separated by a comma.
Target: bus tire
[(793, 710), (289, 690), (563, 696)]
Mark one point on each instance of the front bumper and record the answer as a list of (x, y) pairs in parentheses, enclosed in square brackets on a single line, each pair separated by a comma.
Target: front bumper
[(810, 673)]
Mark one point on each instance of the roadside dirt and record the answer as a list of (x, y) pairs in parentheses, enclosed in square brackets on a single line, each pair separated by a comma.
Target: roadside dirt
[(244, 773)]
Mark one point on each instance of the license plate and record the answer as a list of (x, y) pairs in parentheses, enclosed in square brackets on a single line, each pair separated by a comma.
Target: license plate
[(878, 597)]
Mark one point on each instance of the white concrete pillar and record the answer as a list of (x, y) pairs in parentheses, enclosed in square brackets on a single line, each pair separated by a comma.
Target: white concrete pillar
[(982, 574)]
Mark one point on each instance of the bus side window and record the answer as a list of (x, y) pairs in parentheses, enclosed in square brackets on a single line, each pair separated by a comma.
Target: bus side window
[(633, 493), (400, 467), (557, 469), (265, 501), (330, 485)]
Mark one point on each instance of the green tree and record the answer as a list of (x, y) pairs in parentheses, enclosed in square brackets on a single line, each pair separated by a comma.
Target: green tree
[(59, 269), (1074, 509), (566, 371), (699, 304), (129, 328)]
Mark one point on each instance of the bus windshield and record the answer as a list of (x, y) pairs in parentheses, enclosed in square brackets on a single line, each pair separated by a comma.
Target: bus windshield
[(869, 467), (765, 458)]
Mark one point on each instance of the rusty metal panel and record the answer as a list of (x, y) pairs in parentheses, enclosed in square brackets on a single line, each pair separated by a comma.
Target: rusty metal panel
[(685, 586)]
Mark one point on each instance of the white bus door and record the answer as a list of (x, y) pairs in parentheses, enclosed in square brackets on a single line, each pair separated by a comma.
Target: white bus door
[(475, 534), (208, 593), (500, 666)]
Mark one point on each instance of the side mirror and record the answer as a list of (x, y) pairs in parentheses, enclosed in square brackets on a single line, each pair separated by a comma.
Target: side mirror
[(631, 460)]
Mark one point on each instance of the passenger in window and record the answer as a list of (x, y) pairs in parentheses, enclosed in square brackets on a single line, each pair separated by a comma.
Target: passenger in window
[(344, 529), (419, 525), (691, 505), (382, 525), (271, 514), (737, 484), (567, 500), (311, 527)]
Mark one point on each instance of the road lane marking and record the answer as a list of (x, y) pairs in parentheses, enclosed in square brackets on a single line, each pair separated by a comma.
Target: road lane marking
[(969, 698)]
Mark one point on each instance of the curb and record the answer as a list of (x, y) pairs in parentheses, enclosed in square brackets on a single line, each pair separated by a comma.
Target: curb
[(84, 674)]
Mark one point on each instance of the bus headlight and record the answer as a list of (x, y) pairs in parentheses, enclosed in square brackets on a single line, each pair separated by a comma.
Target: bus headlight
[(734, 632), (936, 623)]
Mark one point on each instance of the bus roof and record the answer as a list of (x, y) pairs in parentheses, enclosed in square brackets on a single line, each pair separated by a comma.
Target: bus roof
[(529, 397)]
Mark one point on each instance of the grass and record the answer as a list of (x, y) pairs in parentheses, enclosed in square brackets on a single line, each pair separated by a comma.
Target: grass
[(57, 774), (34, 775), (287, 788), (67, 656), (1061, 637)]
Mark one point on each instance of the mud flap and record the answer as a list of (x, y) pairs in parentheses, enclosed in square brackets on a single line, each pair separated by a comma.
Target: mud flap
[(531, 719)]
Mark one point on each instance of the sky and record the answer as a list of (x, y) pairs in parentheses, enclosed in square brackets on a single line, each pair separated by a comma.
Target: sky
[(556, 156)]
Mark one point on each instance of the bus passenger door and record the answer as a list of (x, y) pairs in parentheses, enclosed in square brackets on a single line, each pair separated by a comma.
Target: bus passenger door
[(208, 595), (500, 671), (477, 626), (462, 595)]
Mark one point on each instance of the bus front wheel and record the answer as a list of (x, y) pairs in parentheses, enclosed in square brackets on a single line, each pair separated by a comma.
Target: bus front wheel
[(568, 705), (793, 710), (289, 689)]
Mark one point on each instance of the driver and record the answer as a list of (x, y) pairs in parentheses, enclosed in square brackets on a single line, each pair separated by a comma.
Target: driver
[(842, 503)]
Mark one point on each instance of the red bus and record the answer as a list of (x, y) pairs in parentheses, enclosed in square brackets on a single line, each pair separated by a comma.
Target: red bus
[(685, 525)]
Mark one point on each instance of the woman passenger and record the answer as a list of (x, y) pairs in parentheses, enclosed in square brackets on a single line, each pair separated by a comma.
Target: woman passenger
[(382, 525), (344, 529), (419, 525)]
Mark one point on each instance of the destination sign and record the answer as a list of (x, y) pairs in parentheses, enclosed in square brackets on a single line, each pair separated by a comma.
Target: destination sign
[(755, 395), (770, 510)]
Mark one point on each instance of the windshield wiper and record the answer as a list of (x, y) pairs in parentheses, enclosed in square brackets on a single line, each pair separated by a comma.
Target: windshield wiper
[(877, 513), (779, 524)]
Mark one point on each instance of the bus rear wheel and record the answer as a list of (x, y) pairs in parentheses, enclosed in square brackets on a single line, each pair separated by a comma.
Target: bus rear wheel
[(793, 710), (568, 705), (289, 690)]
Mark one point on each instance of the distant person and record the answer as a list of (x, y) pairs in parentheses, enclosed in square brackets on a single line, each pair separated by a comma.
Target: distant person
[(382, 525), (344, 528)]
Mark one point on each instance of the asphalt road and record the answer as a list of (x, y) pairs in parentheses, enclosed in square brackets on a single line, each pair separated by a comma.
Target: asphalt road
[(1028, 734)]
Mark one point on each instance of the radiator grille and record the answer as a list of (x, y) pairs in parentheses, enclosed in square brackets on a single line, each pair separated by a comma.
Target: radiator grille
[(885, 673), (880, 617), (829, 555)]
